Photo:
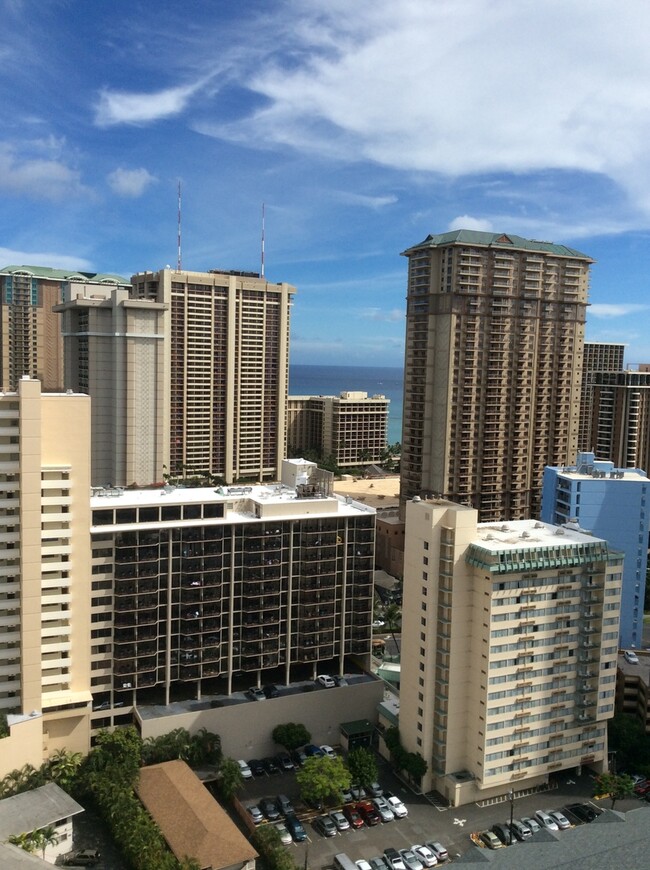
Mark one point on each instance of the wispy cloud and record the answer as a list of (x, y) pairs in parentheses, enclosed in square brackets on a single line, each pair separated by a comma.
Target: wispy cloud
[(130, 182), (374, 202), (11, 257), (395, 315), (607, 310), (120, 107), (37, 177)]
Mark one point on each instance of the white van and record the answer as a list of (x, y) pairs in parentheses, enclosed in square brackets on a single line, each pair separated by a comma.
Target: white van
[(342, 862)]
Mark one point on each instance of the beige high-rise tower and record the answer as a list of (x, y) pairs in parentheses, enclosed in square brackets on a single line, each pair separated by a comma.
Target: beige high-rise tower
[(493, 368), (188, 373)]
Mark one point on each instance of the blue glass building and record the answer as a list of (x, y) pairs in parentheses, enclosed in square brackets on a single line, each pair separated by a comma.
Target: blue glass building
[(611, 503)]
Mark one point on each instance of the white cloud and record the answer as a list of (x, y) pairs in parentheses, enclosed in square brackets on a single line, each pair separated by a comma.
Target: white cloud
[(11, 257), (604, 309), (130, 182), (37, 177), (378, 315), (462, 87), (465, 222), (118, 107), (374, 202)]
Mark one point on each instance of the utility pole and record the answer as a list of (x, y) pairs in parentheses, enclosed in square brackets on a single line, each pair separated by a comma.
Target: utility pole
[(511, 795)]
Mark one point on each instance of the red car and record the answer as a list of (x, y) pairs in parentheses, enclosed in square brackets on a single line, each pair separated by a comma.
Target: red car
[(642, 788), (353, 817), (368, 813)]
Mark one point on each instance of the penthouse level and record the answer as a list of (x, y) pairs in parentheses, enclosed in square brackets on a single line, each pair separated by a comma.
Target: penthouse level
[(206, 591)]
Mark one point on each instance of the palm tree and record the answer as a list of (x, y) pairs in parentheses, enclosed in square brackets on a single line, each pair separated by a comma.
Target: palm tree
[(63, 767), (393, 620), (45, 837)]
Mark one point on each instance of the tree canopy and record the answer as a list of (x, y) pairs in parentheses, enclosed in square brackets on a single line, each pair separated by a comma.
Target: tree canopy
[(363, 766), (323, 779), (291, 735), (617, 786)]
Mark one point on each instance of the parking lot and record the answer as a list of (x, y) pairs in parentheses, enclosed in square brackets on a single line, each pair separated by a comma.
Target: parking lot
[(452, 827)]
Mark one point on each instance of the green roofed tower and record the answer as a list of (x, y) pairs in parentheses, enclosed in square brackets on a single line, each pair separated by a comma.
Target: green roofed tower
[(493, 368)]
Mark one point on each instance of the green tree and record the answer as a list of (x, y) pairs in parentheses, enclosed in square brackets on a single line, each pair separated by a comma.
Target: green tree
[(62, 767), (266, 840), (291, 735), (230, 778), (393, 620), (323, 779), (415, 766), (363, 766), (627, 738), (617, 786), (44, 837)]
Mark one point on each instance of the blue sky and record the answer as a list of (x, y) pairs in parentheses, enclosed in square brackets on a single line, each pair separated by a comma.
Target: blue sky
[(364, 125)]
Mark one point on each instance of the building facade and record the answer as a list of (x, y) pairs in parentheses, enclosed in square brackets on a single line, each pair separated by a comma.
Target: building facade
[(197, 591), (493, 368), (611, 503), (30, 333), (599, 356), (227, 363), (44, 573), (621, 417), (633, 688), (509, 646), (351, 427)]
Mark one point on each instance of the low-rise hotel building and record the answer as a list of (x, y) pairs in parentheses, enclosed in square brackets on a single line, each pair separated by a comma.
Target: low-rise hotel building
[(509, 646)]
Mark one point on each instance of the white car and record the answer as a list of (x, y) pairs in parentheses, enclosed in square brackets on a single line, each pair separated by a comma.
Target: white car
[(245, 770), (328, 751), (438, 850), (631, 657), (531, 824), (425, 855), (326, 681), (285, 836), (363, 865), (562, 822), (398, 808), (546, 821)]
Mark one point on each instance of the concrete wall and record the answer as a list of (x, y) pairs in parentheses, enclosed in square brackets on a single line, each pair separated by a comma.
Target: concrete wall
[(245, 729)]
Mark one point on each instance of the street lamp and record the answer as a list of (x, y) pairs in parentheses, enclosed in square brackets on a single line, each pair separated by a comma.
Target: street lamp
[(511, 795)]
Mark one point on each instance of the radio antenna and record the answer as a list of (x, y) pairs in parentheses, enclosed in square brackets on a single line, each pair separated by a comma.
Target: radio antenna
[(263, 227), (178, 259)]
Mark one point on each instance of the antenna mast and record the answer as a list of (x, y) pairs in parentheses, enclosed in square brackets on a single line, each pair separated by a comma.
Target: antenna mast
[(263, 221), (178, 260)]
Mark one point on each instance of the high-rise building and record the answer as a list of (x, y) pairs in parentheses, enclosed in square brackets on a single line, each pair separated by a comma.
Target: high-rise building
[(351, 427), (188, 373), (45, 591), (611, 503), (30, 333), (599, 356), (205, 590), (493, 368), (621, 417), (509, 649)]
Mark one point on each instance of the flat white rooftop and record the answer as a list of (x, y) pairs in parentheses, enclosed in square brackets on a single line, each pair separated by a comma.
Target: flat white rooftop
[(518, 534)]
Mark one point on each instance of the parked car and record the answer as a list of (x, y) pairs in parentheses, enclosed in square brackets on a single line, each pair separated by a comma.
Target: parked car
[(285, 836), (584, 812), (340, 681), (438, 850), (313, 751), (270, 766), (394, 859), (368, 813), (325, 826), (353, 817), (340, 821), (490, 839), (284, 761), (531, 824), (271, 691), (358, 792), (255, 813), (631, 657), (362, 864), (562, 822), (256, 766), (346, 796), (378, 863), (504, 833), (83, 858), (314, 804), (411, 860), (244, 769), (284, 806), (521, 831), (328, 751), (385, 812), (299, 757), (269, 809), (642, 788), (546, 821), (326, 681), (425, 855), (295, 828), (256, 694), (398, 808), (374, 790)]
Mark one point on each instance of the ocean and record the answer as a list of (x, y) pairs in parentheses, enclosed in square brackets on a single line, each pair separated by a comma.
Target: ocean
[(310, 380)]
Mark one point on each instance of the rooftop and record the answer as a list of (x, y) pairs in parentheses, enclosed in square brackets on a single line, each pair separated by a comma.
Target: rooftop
[(496, 240), (65, 275), (35, 809), (527, 534)]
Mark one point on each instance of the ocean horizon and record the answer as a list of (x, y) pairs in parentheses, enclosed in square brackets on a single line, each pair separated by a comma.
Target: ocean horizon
[(315, 380)]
